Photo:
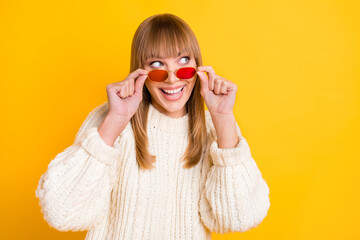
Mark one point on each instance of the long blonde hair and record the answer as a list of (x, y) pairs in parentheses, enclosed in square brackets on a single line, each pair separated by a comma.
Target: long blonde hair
[(164, 35)]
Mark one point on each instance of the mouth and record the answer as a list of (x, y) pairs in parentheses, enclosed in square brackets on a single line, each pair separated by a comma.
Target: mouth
[(174, 94), (174, 91)]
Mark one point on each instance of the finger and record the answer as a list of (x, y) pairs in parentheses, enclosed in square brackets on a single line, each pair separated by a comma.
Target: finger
[(203, 82), (217, 85), (128, 88), (231, 86), (211, 81), (211, 74), (223, 89), (208, 69), (135, 74), (122, 93), (139, 84), (131, 87)]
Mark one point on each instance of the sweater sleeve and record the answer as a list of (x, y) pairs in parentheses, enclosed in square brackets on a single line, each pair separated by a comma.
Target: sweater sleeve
[(235, 197), (74, 192)]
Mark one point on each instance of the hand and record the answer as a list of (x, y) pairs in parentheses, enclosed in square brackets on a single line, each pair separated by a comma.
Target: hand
[(125, 96), (219, 93)]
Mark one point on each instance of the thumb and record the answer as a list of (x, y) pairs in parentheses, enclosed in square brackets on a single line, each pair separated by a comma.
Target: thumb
[(139, 84), (204, 82)]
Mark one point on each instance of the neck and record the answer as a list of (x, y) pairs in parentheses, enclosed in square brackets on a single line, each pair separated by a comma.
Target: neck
[(176, 114), (164, 123)]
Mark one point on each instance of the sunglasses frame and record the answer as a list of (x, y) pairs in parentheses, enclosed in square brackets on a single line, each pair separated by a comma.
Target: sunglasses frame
[(168, 73)]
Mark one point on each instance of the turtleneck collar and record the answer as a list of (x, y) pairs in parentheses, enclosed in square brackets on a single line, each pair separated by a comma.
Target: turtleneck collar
[(167, 124)]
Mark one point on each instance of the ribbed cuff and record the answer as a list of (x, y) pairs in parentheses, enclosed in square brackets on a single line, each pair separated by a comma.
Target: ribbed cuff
[(230, 156), (95, 145)]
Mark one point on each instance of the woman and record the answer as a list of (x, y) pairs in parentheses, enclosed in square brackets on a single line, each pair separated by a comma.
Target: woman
[(151, 162)]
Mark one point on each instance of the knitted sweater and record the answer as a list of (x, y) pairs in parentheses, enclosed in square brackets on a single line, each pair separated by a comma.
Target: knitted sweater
[(100, 188)]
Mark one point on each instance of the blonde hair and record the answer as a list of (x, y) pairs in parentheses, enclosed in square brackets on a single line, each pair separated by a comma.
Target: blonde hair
[(165, 35)]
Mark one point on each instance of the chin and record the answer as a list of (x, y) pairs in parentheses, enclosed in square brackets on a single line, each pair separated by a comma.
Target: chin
[(173, 107)]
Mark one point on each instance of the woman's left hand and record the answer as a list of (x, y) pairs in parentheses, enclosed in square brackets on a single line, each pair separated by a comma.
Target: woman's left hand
[(219, 93)]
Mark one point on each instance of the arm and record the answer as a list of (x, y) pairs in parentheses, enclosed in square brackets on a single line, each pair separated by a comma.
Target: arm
[(74, 192), (226, 130), (235, 197)]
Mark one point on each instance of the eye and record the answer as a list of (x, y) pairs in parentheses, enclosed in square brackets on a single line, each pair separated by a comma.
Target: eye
[(187, 59), (155, 64)]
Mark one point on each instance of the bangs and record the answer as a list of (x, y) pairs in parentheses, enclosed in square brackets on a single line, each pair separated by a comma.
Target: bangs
[(165, 39), (163, 36)]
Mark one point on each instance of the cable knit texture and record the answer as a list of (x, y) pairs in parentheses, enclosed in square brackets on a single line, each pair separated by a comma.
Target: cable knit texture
[(100, 188)]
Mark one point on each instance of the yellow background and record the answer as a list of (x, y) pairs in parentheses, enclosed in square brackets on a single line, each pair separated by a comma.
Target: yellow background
[(296, 64)]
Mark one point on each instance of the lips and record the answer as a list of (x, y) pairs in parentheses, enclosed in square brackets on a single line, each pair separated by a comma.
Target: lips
[(172, 91), (172, 88), (173, 96)]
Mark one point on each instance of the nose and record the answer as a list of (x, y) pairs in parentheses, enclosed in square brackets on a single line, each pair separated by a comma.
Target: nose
[(172, 76)]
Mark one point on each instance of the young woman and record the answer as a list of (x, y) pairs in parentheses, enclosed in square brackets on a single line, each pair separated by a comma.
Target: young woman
[(151, 162)]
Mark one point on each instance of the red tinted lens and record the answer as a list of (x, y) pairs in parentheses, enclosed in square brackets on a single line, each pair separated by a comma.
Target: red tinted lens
[(186, 72), (158, 75)]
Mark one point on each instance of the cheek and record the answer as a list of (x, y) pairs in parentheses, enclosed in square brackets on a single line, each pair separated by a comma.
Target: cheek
[(149, 86), (191, 84), (153, 90)]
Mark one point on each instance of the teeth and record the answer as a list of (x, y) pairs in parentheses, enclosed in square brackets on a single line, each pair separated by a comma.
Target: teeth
[(172, 91)]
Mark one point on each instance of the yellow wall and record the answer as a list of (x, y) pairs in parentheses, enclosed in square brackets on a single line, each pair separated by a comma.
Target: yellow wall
[(296, 64)]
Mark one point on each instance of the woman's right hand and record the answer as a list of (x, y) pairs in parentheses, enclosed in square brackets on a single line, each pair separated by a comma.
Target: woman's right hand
[(125, 96)]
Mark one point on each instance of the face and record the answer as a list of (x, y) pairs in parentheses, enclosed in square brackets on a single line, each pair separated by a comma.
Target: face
[(171, 104)]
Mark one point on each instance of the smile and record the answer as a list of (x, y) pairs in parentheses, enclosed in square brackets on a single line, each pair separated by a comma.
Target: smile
[(174, 94), (172, 91)]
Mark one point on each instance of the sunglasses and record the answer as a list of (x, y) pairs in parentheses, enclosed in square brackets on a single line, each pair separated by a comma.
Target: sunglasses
[(159, 75)]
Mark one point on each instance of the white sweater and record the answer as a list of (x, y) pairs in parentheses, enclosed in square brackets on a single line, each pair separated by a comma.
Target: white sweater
[(95, 187)]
